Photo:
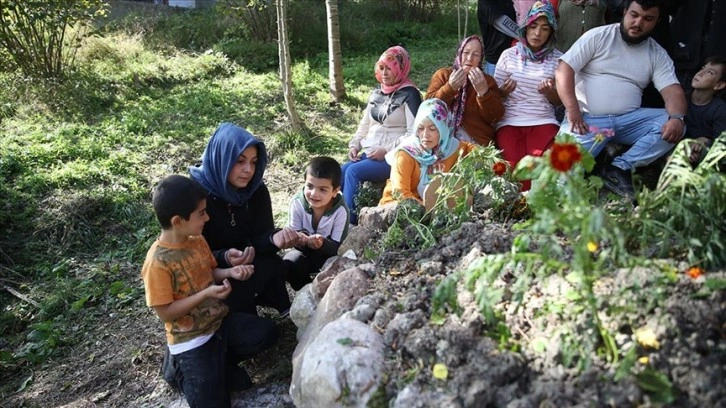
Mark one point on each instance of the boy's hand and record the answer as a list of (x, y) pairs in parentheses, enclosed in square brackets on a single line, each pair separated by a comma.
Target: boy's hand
[(241, 272), (220, 291), (236, 257), (315, 241)]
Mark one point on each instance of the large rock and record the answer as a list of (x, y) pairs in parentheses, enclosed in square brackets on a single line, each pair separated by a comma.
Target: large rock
[(342, 366), (306, 299), (377, 218), (328, 272), (340, 297), (302, 309)]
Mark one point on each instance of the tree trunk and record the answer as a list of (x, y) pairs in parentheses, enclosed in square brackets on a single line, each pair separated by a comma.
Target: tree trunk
[(335, 66), (285, 65)]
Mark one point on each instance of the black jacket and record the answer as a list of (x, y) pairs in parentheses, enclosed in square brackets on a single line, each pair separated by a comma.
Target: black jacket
[(253, 225), (495, 42), (698, 31)]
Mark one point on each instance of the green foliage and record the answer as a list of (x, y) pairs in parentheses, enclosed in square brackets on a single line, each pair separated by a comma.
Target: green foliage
[(568, 235), (657, 385), (414, 227), (191, 29), (681, 215), (369, 194), (42, 37), (407, 229), (255, 56)]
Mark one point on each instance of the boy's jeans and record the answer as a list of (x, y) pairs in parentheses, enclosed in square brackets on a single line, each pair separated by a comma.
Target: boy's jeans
[(207, 374), (640, 129)]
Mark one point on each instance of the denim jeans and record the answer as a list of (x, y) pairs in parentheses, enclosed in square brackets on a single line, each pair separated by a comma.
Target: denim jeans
[(207, 374), (355, 173), (489, 68), (639, 129)]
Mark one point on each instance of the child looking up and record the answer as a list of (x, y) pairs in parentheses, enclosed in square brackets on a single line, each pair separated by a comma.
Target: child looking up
[(706, 117), (318, 211), (186, 290)]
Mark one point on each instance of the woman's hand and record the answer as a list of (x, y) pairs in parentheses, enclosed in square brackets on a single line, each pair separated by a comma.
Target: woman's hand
[(477, 78), (286, 238), (547, 86), (457, 79), (508, 86), (241, 272), (353, 154), (376, 153), (236, 257)]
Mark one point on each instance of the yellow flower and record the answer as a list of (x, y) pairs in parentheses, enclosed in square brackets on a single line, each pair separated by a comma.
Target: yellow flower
[(440, 371), (643, 360), (646, 338), (592, 246)]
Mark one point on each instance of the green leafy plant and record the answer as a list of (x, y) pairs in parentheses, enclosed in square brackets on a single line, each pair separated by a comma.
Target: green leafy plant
[(42, 37), (679, 217), (568, 234), (461, 187)]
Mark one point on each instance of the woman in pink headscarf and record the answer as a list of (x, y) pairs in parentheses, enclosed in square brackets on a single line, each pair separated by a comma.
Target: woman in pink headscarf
[(388, 118)]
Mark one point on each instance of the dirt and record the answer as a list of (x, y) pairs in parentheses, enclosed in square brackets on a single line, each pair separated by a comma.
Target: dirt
[(116, 362)]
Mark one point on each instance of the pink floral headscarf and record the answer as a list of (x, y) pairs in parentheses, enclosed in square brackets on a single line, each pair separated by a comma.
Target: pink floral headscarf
[(539, 9), (397, 60)]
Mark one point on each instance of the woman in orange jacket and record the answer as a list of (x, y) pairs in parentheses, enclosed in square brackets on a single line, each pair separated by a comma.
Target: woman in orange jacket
[(432, 149)]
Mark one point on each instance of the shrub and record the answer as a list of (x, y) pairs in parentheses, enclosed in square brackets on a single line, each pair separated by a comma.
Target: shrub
[(254, 56), (680, 216), (41, 37)]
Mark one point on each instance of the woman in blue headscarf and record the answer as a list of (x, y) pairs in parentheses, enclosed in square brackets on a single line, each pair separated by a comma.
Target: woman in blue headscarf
[(241, 229), (432, 149)]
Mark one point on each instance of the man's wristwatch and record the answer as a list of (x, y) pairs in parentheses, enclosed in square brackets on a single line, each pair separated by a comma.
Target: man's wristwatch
[(678, 116)]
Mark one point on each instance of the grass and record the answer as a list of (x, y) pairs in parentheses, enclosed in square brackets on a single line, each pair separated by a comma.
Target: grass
[(79, 158)]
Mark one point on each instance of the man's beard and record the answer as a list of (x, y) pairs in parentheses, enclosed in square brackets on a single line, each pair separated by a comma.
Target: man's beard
[(630, 40)]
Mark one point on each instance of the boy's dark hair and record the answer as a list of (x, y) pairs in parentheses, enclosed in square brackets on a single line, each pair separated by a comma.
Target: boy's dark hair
[(647, 4), (176, 195), (325, 167), (718, 60)]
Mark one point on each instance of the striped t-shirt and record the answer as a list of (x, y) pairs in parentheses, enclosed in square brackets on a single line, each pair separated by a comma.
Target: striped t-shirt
[(525, 106)]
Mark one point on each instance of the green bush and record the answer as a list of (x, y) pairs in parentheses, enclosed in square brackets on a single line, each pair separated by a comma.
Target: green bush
[(254, 56), (41, 37)]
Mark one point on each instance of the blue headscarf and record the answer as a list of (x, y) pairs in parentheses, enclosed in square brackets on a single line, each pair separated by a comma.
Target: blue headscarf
[(437, 111), (221, 154)]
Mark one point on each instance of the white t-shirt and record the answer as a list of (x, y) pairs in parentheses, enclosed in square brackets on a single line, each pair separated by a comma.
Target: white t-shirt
[(610, 74), (525, 106)]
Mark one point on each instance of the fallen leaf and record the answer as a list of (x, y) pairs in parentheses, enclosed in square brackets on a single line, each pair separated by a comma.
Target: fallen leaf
[(440, 371), (646, 338)]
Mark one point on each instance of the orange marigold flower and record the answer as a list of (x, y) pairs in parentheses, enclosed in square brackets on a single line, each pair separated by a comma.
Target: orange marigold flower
[(564, 155), (499, 168), (695, 271)]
